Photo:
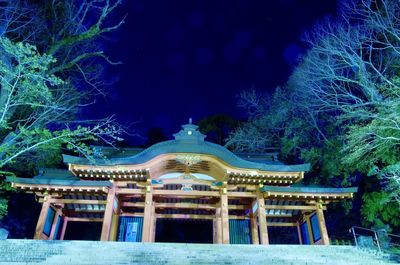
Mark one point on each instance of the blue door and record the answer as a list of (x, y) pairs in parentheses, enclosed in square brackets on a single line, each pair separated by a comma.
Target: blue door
[(130, 229), (239, 231)]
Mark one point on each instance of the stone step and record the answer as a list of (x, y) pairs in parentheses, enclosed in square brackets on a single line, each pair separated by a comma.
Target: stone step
[(17, 252)]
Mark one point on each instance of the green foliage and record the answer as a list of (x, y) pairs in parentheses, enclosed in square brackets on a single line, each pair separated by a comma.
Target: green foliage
[(3, 207), (44, 83), (340, 109), (33, 107), (5, 188), (379, 210)]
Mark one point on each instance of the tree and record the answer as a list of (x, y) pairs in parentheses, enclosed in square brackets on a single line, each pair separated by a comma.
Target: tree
[(351, 73), (51, 67), (36, 108), (339, 109), (70, 31)]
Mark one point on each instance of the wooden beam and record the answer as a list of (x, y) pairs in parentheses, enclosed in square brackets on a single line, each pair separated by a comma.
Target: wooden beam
[(153, 220), (254, 228), (246, 186), (218, 225), (299, 233), (133, 204), (186, 216), (42, 218), (61, 188), (42, 194), (129, 191), (262, 219), (187, 193), (78, 201), (243, 173), (127, 197), (244, 194), (148, 216), (64, 228), (114, 227), (322, 225), (303, 195), (182, 205), (154, 228), (215, 238), (237, 207), (53, 227), (239, 217), (69, 212), (82, 219), (224, 218), (183, 196), (108, 213), (309, 229), (132, 214), (291, 207), (115, 221), (186, 181), (279, 215), (281, 224)]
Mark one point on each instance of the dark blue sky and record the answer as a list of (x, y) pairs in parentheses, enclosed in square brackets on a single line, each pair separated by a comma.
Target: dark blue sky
[(191, 58)]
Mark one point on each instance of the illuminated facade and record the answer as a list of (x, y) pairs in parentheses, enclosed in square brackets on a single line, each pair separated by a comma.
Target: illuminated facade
[(185, 178)]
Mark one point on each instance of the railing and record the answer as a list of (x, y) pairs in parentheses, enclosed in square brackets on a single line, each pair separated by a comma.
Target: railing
[(383, 241)]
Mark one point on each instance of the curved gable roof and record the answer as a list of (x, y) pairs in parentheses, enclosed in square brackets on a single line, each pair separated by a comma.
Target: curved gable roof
[(189, 140)]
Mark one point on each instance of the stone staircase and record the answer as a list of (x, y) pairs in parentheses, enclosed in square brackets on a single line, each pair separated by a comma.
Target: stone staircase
[(15, 252)]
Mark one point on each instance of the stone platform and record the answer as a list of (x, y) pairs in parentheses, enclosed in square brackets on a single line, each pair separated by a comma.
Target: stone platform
[(27, 252)]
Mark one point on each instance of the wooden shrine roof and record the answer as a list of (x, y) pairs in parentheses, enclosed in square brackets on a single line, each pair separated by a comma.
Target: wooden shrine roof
[(190, 141), (56, 179), (301, 192), (87, 198), (308, 189)]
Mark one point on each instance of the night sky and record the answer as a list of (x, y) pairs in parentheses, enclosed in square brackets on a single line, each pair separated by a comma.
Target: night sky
[(192, 58)]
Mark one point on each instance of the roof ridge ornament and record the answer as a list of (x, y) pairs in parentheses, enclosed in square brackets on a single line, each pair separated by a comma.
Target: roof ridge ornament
[(190, 132)]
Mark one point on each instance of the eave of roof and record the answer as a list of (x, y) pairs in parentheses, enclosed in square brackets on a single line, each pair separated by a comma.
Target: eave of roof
[(59, 182), (187, 146), (305, 189)]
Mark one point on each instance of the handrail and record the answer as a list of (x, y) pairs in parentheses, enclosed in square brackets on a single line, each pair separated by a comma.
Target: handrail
[(352, 230), (393, 235), (377, 240), (362, 228)]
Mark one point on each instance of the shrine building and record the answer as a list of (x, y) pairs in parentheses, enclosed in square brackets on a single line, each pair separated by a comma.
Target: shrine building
[(129, 191)]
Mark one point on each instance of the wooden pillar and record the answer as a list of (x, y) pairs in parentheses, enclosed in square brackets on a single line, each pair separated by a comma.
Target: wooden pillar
[(54, 226), (262, 218), (154, 225), (64, 228), (299, 233), (322, 225), (108, 215), (148, 215), (254, 228), (42, 217), (115, 221), (224, 217), (114, 227), (215, 230), (218, 225), (309, 229)]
